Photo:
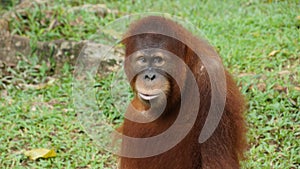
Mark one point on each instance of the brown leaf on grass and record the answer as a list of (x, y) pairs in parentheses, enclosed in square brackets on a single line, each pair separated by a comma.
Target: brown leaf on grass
[(261, 87), (78, 21), (280, 88), (52, 24), (100, 10), (297, 88), (4, 24), (284, 72), (293, 102), (50, 82), (246, 74), (40, 153), (274, 52)]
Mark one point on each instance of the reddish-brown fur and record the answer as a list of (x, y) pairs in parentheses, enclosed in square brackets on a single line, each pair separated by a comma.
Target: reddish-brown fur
[(225, 147)]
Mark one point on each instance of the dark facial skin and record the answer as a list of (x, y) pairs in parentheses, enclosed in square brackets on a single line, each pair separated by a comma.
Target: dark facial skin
[(151, 81), (151, 68)]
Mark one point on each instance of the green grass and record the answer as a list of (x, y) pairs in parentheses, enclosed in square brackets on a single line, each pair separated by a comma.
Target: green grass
[(245, 33)]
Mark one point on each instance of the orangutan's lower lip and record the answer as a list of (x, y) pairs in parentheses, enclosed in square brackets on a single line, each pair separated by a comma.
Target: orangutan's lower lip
[(148, 97)]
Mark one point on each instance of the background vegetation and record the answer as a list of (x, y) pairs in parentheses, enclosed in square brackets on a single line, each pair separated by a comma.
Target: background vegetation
[(257, 39)]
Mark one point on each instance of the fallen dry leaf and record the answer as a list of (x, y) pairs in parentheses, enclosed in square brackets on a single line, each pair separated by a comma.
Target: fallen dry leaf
[(40, 153), (261, 87), (274, 52), (284, 72), (39, 86), (246, 74), (280, 88), (292, 102)]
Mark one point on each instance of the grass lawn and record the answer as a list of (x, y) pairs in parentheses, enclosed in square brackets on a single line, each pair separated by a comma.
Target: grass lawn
[(258, 40)]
